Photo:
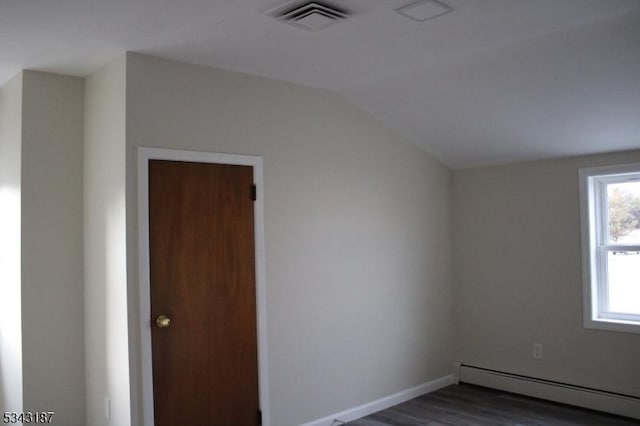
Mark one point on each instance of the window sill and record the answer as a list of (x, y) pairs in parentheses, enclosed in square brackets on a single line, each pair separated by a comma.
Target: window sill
[(613, 325)]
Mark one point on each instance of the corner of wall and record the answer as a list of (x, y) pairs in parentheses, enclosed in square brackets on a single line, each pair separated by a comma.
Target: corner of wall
[(11, 398), (105, 248)]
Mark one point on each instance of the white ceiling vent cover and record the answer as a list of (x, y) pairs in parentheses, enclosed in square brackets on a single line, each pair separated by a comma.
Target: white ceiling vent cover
[(311, 16)]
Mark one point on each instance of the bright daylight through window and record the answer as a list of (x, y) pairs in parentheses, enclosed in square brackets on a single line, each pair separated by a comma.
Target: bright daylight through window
[(610, 198)]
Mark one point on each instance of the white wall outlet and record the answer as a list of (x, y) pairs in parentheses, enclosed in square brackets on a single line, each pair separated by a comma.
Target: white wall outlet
[(537, 351)]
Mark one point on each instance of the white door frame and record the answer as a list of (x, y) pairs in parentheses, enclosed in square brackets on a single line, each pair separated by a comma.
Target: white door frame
[(144, 155)]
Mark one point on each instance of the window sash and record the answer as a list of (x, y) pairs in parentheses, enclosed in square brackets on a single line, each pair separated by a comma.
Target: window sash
[(603, 282), (596, 246), (603, 247)]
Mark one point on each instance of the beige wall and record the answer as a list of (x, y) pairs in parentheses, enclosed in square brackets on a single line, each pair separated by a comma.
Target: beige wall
[(52, 283), (42, 324), (357, 230), (360, 297), (106, 335), (518, 276), (10, 212)]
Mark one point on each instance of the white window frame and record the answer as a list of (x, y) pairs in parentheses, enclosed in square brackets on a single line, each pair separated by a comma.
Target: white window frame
[(595, 246)]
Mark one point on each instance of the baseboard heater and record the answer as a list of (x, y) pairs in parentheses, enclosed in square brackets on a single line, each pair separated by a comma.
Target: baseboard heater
[(595, 399)]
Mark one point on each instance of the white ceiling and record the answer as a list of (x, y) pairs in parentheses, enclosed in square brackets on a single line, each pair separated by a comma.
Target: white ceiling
[(494, 81)]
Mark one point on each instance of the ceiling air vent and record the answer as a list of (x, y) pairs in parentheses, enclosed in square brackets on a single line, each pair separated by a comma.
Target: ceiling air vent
[(311, 16)]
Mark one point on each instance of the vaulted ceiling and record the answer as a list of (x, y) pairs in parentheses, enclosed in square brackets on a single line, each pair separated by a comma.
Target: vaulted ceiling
[(494, 81)]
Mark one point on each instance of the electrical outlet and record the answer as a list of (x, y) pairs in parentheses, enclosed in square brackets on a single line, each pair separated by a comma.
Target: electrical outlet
[(537, 351)]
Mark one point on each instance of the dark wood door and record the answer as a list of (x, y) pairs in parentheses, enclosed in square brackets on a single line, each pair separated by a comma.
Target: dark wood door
[(203, 279)]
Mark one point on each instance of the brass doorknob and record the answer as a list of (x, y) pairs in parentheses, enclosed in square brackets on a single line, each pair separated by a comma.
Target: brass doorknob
[(163, 321)]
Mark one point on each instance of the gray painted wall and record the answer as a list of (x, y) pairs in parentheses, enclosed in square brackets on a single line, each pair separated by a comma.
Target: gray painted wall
[(106, 335), (42, 355), (52, 282), (357, 230), (518, 276), (359, 242)]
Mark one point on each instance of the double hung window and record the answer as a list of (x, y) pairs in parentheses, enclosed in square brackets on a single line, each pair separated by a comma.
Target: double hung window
[(610, 211)]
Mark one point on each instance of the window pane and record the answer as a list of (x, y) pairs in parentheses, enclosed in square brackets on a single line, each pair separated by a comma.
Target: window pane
[(623, 204), (624, 282)]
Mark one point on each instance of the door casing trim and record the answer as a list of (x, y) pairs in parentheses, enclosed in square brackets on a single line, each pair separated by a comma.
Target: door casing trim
[(144, 155)]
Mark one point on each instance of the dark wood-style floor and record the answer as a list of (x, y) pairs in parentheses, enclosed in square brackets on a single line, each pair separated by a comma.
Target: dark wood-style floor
[(471, 405)]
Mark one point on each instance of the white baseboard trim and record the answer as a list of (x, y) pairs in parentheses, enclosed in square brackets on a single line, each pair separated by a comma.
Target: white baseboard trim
[(383, 403), (594, 399)]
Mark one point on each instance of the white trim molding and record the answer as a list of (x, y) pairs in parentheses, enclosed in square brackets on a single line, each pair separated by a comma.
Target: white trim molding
[(594, 399), (383, 403), (144, 155)]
